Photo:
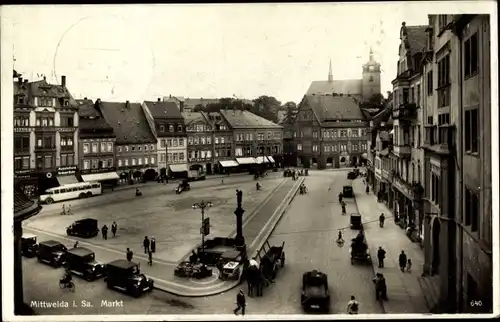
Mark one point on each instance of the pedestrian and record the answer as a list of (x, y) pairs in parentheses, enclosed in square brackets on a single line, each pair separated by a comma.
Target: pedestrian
[(402, 261), (145, 243), (341, 195), (76, 244), (378, 289), (381, 220), (104, 231), (408, 265), (367, 189), (383, 287), (63, 212), (153, 244), (343, 208), (69, 210), (240, 302), (380, 256), (130, 254), (353, 306), (150, 258), (114, 228)]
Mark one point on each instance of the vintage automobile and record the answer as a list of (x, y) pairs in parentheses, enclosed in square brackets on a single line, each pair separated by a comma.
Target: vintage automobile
[(81, 261), (348, 192), (351, 175), (232, 268), (315, 294), (359, 251), (28, 245), (86, 228), (356, 222), (51, 252), (126, 276), (183, 186)]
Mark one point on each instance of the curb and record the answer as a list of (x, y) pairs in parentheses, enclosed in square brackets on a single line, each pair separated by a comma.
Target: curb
[(372, 257), (279, 214)]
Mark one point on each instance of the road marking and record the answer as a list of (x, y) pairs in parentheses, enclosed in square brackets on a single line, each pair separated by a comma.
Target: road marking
[(213, 278)]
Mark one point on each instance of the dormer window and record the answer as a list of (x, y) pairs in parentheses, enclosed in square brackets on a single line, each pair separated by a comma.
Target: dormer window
[(179, 128), (162, 128), (171, 128), (20, 100)]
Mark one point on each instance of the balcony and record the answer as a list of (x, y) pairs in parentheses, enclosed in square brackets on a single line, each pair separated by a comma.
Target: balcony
[(45, 148), (402, 151), (405, 112)]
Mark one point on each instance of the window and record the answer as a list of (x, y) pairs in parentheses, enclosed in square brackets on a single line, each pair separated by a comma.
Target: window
[(162, 157), (222, 140), (471, 131), (203, 140), (343, 133), (179, 128), (95, 164), (181, 142), (169, 156), (190, 140), (152, 160), (354, 147), (171, 128), (162, 128), (443, 22), (134, 161), (109, 163), (444, 94), (471, 210), (21, 121), (299, 147), (139, 161), (64, 159), (21, 144), (21, 163), (67, 121), (196, 140), (45, 121), (315, 134), (176, 157), (94, 147), (126, 162), (45, 101), (429, 83), (181, 156), (471, 56), (109, 146), (119, 149), (103, 147), (209, 140), (354, 133), (126, 148), (315, 148), (119, 163), (86, 164), (139, 148), (406, 95)]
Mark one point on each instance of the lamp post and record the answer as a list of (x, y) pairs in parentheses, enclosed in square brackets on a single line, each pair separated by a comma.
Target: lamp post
[(205, 225), (240, 240)]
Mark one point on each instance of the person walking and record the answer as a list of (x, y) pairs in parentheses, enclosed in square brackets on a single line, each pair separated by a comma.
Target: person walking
[(353, 306), (367, 189), (150, 257), (145, 243), (343, 208), (380, 256), (130, 254), (114, 228), (104, 231), (383, 287), (153, 244), (76, 244), (408, 265), (240, 302), (402, 261), (381, 220)]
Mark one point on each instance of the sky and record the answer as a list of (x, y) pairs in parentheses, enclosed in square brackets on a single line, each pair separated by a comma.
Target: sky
[(142, 52)]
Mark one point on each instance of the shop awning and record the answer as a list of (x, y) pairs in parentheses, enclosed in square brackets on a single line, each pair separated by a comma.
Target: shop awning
[(178, 167), (100, 176), (228, 163), (364, 155), (261, 160), (63, 180), (271, 159), (244, 161)]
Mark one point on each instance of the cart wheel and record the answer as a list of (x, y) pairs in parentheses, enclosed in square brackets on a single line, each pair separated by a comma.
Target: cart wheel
[(283, 260)]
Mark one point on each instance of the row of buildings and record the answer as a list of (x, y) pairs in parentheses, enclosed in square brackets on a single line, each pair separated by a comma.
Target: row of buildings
[(429, 156), (60, 140)]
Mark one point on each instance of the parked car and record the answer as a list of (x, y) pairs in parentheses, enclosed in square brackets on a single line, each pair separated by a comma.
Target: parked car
[(86, 228), (81, 261), (28, 245), (315, 294), (126, 276), (348, 192), (51, 252)]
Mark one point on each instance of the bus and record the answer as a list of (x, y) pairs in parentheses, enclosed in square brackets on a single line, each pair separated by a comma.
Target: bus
[(71, 191)]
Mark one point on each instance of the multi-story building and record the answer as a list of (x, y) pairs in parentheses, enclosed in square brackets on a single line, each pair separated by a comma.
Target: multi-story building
[(330, 130), (458, 207), (166, 121), (200, 135), (223, 156), (45, 135), (136, 155), (254, 136), (96, 145), (407, 155)]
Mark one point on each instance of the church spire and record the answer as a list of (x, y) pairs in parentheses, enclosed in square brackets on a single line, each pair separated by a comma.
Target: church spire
[(371, 55), (330, 74)]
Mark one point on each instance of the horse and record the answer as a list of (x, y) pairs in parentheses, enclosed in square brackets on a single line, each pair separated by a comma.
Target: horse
[(254, 278)]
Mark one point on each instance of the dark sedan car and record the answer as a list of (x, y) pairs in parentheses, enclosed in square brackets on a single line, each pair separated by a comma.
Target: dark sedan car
[(81, 261), (51, 252), (315, 294)]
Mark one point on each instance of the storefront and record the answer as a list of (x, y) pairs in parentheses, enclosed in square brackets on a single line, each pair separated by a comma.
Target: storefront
[(246, 164), (106, 176), (227, 166), (67, 175), (177, 171), (27, 181)]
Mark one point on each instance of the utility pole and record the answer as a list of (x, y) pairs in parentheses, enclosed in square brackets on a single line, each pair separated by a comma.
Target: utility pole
[(205, 224)]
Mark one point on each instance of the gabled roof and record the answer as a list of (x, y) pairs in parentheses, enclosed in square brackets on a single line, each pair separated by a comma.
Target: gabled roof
[(192, 117), (163, 110), (129, 122), (328, 107), (416, 38), (344, 86), (91, 120), (43, 89), (238, 119)]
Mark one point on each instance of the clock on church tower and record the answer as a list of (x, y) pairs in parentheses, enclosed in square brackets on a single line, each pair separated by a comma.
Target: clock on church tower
[(371, 77)]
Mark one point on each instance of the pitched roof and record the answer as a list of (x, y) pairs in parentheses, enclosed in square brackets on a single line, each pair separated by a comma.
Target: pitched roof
[(244, 119), (344, 86), (417, 38), (193, 117), (329, 107), (91, 120), (43, 89), (192, 102), (163, 110), (129, 123)]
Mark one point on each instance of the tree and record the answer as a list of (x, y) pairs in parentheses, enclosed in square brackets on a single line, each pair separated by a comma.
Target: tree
[(199, 108), (290, 109), (376, 101), (266, 107)]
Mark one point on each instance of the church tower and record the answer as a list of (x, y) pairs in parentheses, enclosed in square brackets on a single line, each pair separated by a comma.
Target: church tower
[(330, 74), (371, 78)]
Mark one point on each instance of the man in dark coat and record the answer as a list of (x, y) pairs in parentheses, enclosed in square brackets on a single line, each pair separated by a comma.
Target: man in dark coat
[(114, 228), (380, 256), (402, 261), (153, 244), (145, 243), (104, 231), (130, 254), (240, 302)]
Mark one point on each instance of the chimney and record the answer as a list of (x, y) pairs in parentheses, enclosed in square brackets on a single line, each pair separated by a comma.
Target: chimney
[(63, 81), (20, 79), (85, 98), (127, 104), (181, 106), (170, 96), (159, 99), (26, 81)]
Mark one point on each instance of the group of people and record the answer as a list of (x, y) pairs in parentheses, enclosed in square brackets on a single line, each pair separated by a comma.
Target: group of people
[(302, 188), (149, 248), (66, 211), (104, 230)]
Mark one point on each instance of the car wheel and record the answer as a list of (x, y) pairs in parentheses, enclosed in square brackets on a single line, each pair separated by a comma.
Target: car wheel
[(89, 194), (39, 259), (88, 277), (49, 201), (82, 196)]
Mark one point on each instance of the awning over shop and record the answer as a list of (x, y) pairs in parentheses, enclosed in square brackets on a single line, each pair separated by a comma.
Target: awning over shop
[(364, 155), (261, 160), (228, 163), (100, 176), (271, 159), (63, 180), (178, 167), (244, 161)]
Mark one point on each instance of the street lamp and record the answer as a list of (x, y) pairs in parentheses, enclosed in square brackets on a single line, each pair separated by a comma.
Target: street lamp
[(205, 225)]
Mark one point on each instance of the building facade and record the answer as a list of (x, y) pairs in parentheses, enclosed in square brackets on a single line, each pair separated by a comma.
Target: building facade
[(254, 136), (223, 150), (167, 124), (45, 135), (136, 152), (96, 145), (407, 155), (457, 114), (200, 146), (330, 131)]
